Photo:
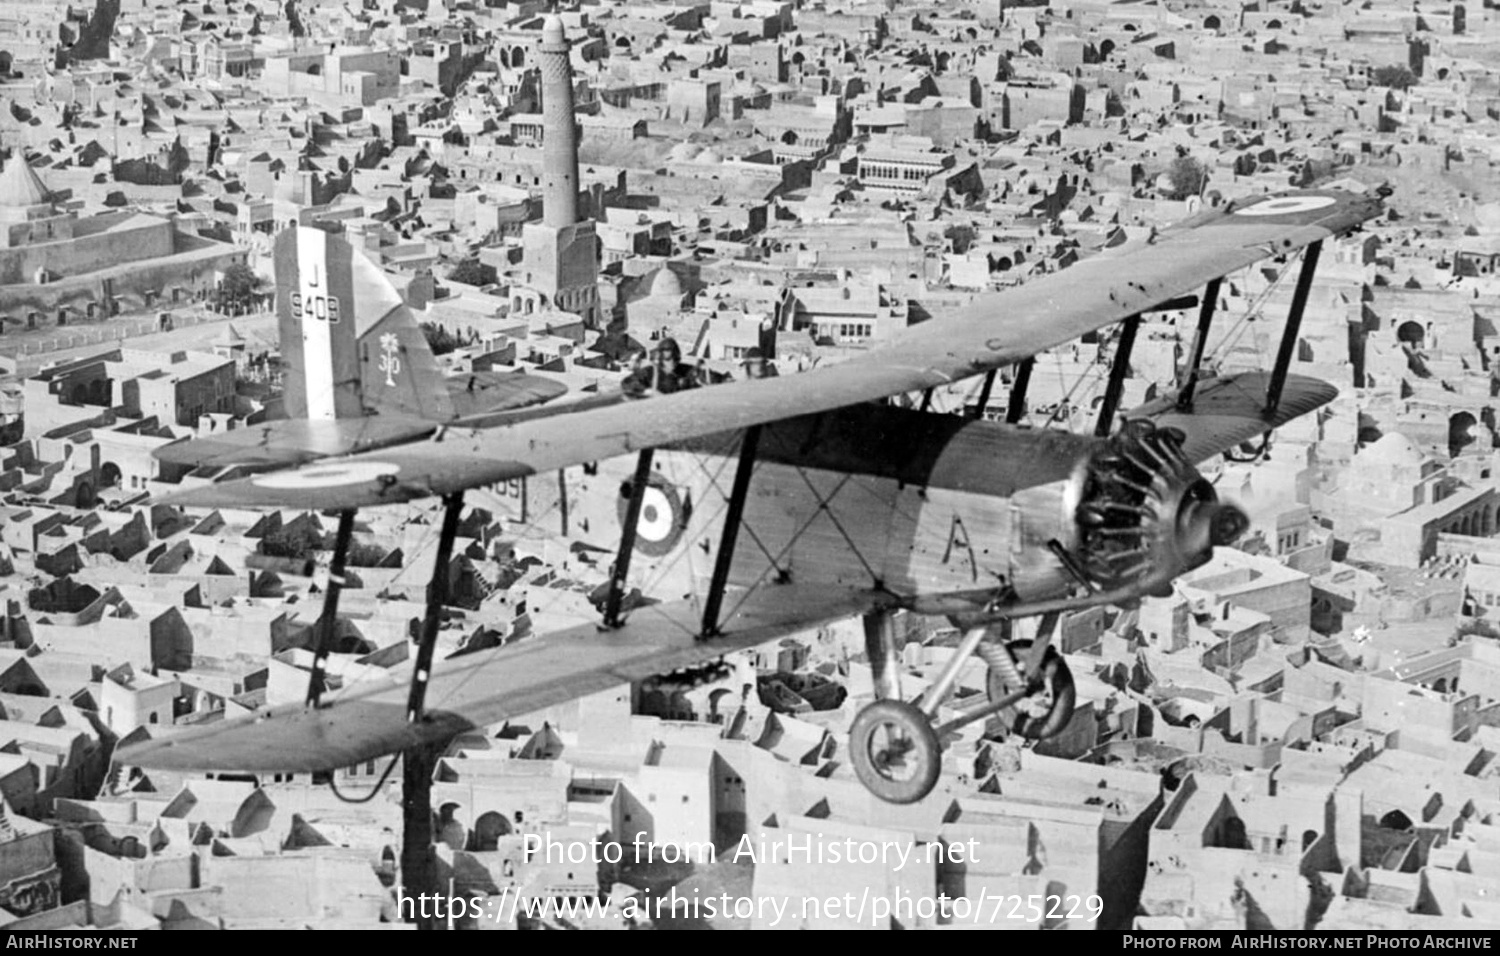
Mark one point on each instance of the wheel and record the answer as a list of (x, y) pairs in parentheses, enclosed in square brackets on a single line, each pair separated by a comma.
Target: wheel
[(895, 751), (1056, 693)]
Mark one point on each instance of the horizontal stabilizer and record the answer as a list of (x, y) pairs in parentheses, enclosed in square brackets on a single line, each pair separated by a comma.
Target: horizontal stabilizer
[(288, 442), (490, 686), (479, 394)]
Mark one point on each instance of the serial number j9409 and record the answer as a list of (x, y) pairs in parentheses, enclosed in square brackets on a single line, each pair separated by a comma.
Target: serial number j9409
[(324, 308)]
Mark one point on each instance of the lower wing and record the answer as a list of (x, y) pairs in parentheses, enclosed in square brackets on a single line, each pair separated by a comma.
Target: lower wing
[(1228, 410), (483, 688)]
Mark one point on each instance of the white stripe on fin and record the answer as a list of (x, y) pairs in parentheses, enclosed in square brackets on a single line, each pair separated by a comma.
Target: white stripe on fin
[(314, 309)]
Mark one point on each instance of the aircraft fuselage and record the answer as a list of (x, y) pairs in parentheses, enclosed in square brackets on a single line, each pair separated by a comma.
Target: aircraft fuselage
[(919, 504)]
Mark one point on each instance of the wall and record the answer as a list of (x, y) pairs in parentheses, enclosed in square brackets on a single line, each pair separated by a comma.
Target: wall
[(183, 400), (1416, 712), (29, 877), (151, 239), (19, 788), (195, 269), (680, 801), (162, 642), (282, 888), (224, 636)]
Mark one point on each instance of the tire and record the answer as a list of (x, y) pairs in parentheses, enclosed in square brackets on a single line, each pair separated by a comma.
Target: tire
[(1058, 680), (892, 724)]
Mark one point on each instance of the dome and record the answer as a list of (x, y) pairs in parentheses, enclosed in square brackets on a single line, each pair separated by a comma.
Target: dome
[(665, 284), (1394, 449), (683, 152), (709, 157), (20, 185)]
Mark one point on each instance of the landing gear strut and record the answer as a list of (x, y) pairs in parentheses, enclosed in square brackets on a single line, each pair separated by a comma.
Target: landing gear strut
[(896, 747)]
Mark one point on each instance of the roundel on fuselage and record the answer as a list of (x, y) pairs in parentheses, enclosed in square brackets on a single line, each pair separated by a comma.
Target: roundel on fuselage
[(664, 516)]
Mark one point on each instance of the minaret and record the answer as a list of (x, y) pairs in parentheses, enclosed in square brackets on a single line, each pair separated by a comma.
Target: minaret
[(562, 257), (560, 128)]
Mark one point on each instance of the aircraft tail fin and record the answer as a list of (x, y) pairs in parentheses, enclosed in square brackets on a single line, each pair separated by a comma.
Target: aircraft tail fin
[(350, 345), (315, 316)]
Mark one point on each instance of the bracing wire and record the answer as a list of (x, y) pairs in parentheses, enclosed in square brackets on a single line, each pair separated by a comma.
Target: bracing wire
[(1231, 338)]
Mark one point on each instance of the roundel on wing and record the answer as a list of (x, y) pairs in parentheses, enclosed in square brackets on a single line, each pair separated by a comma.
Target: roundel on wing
[(334, 475), (1287, 206), (664, 516)]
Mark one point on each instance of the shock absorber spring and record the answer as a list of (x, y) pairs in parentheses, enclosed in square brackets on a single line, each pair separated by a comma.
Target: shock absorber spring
[(994, 653)]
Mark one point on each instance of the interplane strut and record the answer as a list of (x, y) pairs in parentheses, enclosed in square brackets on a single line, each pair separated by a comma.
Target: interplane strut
[(317, 682), (724, 560)]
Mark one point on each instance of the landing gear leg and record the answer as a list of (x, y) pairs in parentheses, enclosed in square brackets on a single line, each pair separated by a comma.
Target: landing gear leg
[(894, 746), (880, 648), (896, 752), (1028, 685)]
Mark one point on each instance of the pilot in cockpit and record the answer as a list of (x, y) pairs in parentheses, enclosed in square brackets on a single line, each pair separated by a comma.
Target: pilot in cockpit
[(666, 374)]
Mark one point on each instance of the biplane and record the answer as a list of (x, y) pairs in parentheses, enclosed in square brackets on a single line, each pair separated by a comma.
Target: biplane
[(804, 499)]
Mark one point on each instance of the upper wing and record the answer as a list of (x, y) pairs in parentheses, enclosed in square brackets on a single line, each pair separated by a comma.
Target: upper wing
[(489, 686), (993, 331)]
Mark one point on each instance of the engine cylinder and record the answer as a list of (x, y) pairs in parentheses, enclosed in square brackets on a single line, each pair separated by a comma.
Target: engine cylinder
[(1145, 514)]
